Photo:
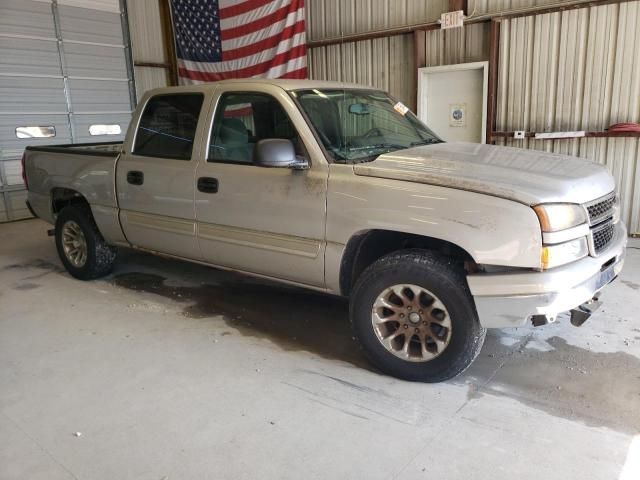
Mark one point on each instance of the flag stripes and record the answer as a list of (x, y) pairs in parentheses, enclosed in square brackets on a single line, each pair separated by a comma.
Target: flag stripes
[(220, 39)]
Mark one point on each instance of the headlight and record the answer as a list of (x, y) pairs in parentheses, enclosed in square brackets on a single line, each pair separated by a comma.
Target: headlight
[(560, 216), (562, 253)]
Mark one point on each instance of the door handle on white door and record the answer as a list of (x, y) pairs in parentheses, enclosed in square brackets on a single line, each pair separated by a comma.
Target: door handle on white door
[(208, 185), (135, 177)]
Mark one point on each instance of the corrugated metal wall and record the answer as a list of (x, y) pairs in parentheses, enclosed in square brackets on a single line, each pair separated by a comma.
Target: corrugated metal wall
[(147, 43), (481, 7), (576, 70), (385, 63), (332, 18), (460, 45)]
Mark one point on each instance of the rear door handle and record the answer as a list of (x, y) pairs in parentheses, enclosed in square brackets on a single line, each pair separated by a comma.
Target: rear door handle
[(135, 177), (208, 185)]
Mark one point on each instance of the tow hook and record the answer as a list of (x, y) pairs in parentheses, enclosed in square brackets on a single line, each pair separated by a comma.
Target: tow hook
[(582, 313), (540, 320)]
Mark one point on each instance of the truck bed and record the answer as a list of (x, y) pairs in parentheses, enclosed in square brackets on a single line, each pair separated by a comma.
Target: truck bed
[(107, 149), (86, 168)]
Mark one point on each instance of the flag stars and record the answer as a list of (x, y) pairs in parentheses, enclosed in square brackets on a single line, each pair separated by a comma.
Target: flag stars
[(197, 29)]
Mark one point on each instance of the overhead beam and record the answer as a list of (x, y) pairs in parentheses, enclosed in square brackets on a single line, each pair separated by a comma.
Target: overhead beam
[(166, 65)]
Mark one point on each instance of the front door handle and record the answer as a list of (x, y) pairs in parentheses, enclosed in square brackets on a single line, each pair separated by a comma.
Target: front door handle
[(135, 177), (208, 185)]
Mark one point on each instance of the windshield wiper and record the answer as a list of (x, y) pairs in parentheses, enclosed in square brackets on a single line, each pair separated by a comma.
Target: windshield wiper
[(426, 141), (384, 145), (368, 159)]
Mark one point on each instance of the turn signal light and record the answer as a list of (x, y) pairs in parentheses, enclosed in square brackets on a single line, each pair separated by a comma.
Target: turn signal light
[(563, 253)]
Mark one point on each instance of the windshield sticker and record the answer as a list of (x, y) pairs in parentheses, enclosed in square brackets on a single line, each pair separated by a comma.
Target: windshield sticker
[(401, 108)]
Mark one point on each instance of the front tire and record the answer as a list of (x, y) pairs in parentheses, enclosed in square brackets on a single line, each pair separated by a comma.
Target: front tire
[(81, 248), (415, 318)]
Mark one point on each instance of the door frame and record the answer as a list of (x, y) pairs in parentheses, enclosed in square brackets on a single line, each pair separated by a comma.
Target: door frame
[(423, 86)]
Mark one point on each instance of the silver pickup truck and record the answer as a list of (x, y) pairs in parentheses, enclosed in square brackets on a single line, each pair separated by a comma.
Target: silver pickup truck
[(340, 188)]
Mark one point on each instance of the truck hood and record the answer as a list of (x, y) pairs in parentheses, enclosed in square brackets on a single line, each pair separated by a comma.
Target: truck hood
[(527, 176)]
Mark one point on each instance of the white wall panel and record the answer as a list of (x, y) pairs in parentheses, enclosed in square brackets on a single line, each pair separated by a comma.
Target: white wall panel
[(88, 25), (148, 45), (26, 56), (94, 96), (31, 95), (95, 61), (148, 78), (13, 172), (24, 17), (3, 210), (147, 41), (58, 60), (104, 5), (16, 204)]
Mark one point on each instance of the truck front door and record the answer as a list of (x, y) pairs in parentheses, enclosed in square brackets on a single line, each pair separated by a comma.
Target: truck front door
[(268, 221), (155, 177)]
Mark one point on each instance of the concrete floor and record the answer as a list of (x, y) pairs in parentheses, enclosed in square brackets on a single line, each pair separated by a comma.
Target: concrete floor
[(176, 371)]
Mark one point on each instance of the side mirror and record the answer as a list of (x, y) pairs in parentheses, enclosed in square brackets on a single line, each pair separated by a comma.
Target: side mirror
[(277, 153)]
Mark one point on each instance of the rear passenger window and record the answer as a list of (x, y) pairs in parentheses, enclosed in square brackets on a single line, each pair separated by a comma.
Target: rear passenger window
[(168, 126), (243, 119)]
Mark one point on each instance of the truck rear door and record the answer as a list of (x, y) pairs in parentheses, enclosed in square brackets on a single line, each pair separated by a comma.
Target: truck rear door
[(155, 174)]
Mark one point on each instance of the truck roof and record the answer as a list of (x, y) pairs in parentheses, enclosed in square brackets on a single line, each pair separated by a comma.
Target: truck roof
[(285, 84)]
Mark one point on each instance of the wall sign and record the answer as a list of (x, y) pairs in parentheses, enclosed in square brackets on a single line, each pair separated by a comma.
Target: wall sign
[(452, 19), (458, 115)]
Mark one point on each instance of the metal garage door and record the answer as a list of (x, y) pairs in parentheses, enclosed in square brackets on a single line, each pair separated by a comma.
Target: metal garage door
[(65, 77)]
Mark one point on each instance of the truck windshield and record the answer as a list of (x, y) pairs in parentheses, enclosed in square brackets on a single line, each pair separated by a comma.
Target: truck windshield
[(359, 125)]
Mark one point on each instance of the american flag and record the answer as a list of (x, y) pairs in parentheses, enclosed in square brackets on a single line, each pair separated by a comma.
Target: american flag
[(220, 39)]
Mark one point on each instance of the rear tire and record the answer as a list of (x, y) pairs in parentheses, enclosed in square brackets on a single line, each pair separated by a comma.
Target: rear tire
[(426, 295), (81, 248)]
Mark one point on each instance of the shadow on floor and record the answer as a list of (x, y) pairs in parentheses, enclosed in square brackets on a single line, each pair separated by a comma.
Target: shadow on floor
[(293, 318)]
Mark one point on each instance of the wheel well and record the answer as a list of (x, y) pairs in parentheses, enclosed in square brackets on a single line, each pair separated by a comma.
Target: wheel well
[(365, 248), (63, 197)]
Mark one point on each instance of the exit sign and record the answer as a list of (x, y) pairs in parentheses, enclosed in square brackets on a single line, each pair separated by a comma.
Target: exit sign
[(452, 19)]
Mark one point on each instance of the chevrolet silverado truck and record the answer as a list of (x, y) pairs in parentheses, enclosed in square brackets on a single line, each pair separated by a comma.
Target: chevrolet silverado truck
[(340, 188)]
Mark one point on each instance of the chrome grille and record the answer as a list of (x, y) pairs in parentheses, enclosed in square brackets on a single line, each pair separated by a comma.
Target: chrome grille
[(601, 213), (602, 236), (601, 208)]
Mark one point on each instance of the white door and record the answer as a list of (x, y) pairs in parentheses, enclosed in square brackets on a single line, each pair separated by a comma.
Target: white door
[(452, 101)]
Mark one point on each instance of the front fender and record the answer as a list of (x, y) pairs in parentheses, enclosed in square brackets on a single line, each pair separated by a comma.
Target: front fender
[(493, 230)]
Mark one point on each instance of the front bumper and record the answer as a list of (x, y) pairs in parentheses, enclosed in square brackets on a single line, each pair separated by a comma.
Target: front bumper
[(510, 299)]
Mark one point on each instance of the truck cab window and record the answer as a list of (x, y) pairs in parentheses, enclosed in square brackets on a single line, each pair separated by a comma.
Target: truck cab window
[(242, 120), (168, 126)]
